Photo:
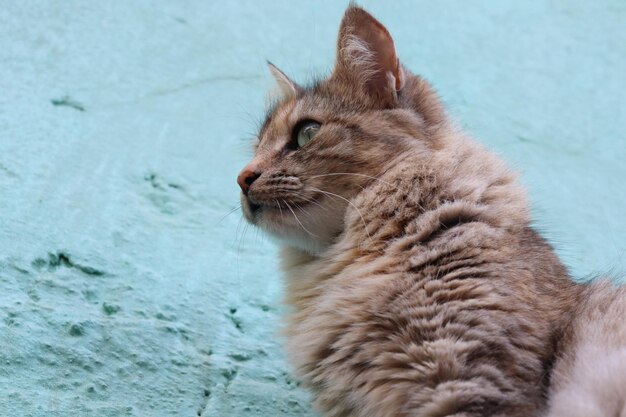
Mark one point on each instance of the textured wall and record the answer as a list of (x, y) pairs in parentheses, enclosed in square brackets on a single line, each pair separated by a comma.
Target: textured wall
[(127, 290)]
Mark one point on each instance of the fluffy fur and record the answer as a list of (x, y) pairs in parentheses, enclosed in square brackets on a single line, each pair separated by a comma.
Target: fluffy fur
[(589, 379), (417, 286)]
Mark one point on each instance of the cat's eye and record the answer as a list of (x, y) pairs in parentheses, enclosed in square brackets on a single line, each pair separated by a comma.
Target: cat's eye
[(306, 131)]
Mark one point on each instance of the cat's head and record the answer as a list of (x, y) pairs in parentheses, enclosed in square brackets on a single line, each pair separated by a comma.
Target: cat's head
[(321, 145)]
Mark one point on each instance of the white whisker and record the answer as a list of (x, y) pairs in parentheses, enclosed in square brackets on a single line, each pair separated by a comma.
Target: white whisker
[(309, 200), (354, 173), (231, 211), (304, 211), (298, 220), (366, 176), (349, 202), (279, 207)]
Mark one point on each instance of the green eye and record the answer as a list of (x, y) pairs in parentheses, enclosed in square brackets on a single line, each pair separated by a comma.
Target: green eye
[(306, 132)]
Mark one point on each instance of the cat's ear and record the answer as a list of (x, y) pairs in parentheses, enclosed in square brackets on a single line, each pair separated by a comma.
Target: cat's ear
[(366, 54), (287, 89)]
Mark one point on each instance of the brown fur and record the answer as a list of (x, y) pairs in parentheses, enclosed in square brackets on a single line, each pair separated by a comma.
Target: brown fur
[(416, 284)]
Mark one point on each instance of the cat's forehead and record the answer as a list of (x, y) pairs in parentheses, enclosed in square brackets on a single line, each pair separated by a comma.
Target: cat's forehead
[(283, 115), (279, 117)]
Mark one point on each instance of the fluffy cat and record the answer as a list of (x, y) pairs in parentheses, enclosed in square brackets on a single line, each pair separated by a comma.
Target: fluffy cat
[(417, 286)]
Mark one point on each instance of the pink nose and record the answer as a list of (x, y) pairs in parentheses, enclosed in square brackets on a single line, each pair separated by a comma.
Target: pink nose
[(246, 177)]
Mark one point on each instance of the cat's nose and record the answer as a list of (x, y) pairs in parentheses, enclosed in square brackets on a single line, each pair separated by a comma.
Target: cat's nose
[(246, 177)]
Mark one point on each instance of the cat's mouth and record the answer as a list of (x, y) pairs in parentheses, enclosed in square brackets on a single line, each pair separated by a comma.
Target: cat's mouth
[(275, 211)]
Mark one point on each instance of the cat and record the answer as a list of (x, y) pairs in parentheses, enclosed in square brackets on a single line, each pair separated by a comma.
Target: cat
[(416, 285)]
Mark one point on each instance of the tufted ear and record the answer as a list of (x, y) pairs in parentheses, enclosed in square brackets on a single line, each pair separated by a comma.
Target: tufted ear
[(366, 54), (286, 88)]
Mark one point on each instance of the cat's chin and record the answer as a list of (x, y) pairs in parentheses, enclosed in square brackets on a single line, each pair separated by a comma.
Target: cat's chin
[(305, 227), (287, 234)]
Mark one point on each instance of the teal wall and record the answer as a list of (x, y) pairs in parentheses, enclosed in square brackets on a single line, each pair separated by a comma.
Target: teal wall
[(126, 289)]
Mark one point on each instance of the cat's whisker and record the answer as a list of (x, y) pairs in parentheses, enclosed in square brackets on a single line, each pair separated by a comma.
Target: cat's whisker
[(393, 187), (303, 210), (256, 236), (279, 207), (231, 211), (312, 201), (301, 196), (238, 240), (309, 200), (298, 220), (242, 247), (237, 231), (356, 174), (298, 207), (352, 204)]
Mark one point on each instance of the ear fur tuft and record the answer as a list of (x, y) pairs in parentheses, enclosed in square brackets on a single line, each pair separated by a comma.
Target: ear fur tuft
[(287, 89)]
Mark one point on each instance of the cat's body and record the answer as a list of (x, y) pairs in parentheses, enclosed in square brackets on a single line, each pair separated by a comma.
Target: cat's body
[(416, 284)]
